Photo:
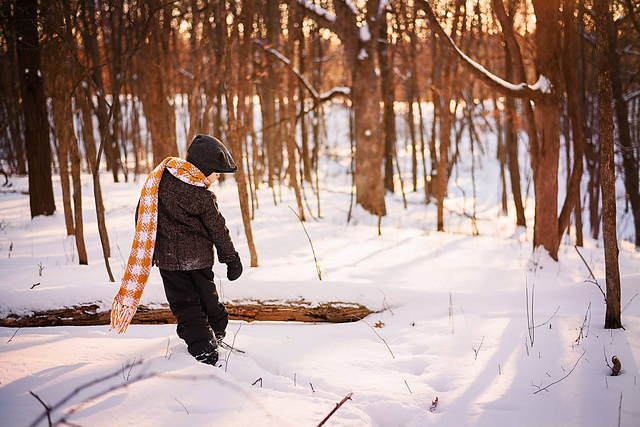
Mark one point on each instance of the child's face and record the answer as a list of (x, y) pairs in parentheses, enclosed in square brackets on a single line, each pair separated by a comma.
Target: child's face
[(213, 177)]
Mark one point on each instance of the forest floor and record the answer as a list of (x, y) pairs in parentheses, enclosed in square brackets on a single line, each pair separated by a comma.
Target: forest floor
[(498, 333)]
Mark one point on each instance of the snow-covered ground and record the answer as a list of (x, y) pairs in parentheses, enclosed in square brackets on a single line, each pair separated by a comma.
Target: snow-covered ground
[(451, 321)]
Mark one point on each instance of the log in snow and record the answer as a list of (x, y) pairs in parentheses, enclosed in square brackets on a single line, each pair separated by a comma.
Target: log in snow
[(285, 311)]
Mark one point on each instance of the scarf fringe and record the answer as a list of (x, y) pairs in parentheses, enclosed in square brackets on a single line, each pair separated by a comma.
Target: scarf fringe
[(121, 316)]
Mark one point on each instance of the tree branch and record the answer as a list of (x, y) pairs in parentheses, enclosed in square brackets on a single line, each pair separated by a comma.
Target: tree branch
[(338, 405), (556, 382), (521, 90)]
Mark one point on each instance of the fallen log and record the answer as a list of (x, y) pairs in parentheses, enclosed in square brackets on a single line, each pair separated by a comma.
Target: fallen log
[(287, 311)]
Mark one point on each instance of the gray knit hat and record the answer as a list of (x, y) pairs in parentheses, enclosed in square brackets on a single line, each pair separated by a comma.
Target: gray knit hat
[(210, 155)]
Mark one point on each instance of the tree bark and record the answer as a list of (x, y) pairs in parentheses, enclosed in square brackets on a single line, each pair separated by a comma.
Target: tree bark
[(545, 167), (93, 52), (605, 124), (388, 97), (268, 311), (573, 185), (629, 162), (34, 107), (234, 135), (366, 94), (291, 113)]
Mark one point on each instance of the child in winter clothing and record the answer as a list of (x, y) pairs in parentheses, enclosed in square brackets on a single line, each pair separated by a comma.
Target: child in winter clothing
[(187, 227)]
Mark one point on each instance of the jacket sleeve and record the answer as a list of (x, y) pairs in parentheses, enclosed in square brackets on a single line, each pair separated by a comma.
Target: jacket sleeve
[(215, 224)]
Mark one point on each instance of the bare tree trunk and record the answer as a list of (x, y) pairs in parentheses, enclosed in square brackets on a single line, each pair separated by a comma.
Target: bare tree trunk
[(388, 97), (629, 162), (93, 52), (234, 135), (605, 123), (575, 116), (511, 140), (34, 108), (304, 135), (159, 113), (64, 130), (502, 156), (546, 155), (514, 67), (268, 92), (291, 113)]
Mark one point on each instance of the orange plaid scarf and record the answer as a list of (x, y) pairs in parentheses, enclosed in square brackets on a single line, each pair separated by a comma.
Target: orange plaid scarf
[(136, 274)]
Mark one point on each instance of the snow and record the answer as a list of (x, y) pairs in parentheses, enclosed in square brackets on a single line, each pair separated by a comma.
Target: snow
[(346, 91), (365, 34), (352, 7), (452, 309), (310, 5), (543, 85)]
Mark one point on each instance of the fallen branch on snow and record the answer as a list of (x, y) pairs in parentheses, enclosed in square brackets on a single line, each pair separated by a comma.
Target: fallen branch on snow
[(338, 405), (556, 382)]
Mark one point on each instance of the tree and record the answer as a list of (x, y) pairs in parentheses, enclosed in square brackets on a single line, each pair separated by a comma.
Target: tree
[(360, 46), (34, 107), (605, 121)]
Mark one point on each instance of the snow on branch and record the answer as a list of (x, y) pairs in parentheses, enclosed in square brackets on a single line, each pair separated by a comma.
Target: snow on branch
[(344, 91), (318, 10), (338, 90), (542, 86), (351, 7)]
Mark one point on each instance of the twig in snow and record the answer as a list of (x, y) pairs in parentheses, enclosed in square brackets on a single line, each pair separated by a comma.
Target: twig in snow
[(405, 382), (464, 316), (552, 316), (130, 368), (532, 334), (476, 351), (384, 301), (233, 344), (82, 387), (451, 312), (556, 382), (46, 408), (585, 323), (627, 304), (34, 285), (259, 380), (310, 242), (338, 405), (185, 408), (14, 334), (312, 390), (620, 410), (168, 353), (595, 281), (374, 331)]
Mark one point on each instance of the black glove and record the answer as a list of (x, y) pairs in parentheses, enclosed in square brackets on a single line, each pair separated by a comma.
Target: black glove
[(234, 268)]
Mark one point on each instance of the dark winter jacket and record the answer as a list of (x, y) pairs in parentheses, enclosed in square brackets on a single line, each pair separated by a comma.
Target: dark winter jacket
[(189, 225)]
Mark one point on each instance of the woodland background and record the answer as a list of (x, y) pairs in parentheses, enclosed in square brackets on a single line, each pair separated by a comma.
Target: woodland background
[(96, 86)]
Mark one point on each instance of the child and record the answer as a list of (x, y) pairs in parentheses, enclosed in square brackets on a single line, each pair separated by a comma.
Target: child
[(177, 225)]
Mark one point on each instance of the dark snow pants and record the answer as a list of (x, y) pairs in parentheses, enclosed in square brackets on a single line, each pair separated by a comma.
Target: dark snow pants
[(194, 302)]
